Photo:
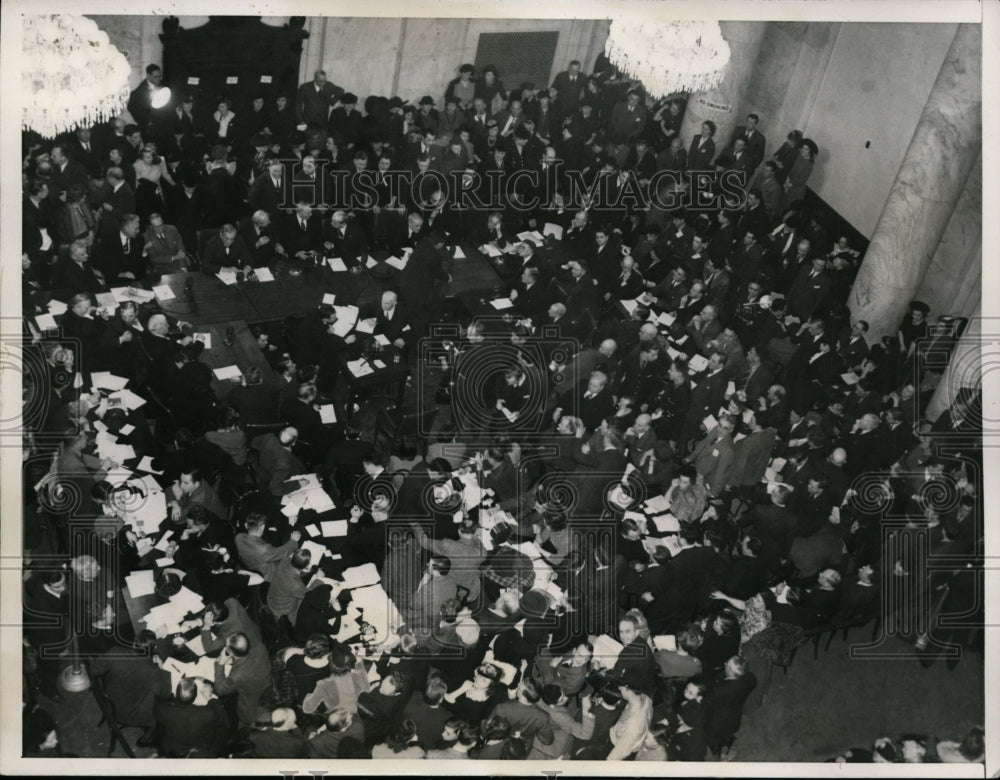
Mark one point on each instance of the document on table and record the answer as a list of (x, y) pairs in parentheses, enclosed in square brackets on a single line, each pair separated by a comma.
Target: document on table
[(129, 399), (361, 576), (490, 251), (45, 322), (334, 528), (328, 414), (141, 583), (204, 338), (263, 274), (105, 380), (459, 254), (336, 264), (163, 292), (502, 303), (666, 524), (395, 262), (657, 504), (196, 646), (667, 642), (666, 319), (365, 326), (146, 464), (554, 230), (227, 372), (346, 317), (329, 299), (382, 339), (106, 300), (57, 307), (227, 277), (360, 367)]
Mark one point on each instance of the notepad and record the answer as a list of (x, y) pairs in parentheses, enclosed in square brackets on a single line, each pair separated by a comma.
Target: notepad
[(329, 299), (163, 292), (227, 372), (365, 326), (328, 414), (554, 230), (336, 264), (502, 303), (204, 338)]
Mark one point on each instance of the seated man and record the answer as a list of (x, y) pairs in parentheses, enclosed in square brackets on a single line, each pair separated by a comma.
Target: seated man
[(258, 235), (193, 723), (164, 246), (226, 252)]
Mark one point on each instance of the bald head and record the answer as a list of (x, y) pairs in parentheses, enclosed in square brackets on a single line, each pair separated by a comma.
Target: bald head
[(647, 332), (608, 347), (388, 300), (158, 325), (288, 436), (839, 456)]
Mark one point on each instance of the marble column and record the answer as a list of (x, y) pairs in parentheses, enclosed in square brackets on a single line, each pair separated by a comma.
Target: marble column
[(934, 171), (724, 104), (313, 48), (964, 368), (955, 270)]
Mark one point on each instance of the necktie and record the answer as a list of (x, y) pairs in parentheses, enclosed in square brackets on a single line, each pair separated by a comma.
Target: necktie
[(86, 147), (227, 251), (128, 245), (302, 222)]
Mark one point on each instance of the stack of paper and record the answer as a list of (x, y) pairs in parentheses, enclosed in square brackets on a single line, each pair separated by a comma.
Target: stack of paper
[(263, 274), (227, 277), (163, 292), (502, 303), (697, 363), (336, 264), (657, 505)]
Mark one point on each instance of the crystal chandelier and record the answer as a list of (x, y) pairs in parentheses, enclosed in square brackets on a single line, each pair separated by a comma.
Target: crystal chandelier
[(71, 75), (669, 57)]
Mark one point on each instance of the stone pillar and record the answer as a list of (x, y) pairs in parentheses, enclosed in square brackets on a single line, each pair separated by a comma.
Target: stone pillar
[(313, 48), (964, 367), (955, 269), (723, 104), (930, 180)]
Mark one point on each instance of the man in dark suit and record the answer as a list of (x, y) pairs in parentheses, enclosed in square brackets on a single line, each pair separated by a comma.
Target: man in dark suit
[(407, 234), (226, 250), (122, 256), (314, 436), (257, 234), (276, 462), (706, 398), (140, 101), (67, 173), (393, 321), (571, 86), (808, 291), (581, 290), (75, 273), (191, 726), (852, 347), (753, 141), (314, 99), (528, 294), (869, 446), (755, 380), (590, 401), (302, 233), (82, 150), (344, 239), (120, 201), (267, 191), (256, 401), (422, 281)]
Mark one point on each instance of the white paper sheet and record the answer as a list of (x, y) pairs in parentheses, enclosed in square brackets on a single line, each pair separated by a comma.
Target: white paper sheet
[(554, 230), (204, 338), (336, 264), (328, 414), (163, 292), (56, 307), (667, 642), (396, 262), (315, 551), (146, 464), (365, 326), (361, 576), (141, 583), (227, 372), (502, 303), (227, 277), (459, 254), (263, 274), (334, 528), (329, 299)]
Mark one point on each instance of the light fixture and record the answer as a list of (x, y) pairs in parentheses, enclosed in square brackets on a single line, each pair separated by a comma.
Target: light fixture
[(161, 96), (669, 57), (71, 75)]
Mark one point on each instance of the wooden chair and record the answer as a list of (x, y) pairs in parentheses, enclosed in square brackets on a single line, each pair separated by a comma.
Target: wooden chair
[(109, 716)]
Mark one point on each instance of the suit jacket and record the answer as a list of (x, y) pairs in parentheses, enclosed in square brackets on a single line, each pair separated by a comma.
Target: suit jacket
[(706, 397), (215, 257), (752, 456), (570, 92), (853, 354), (68, 276), (627, 125), (113, 260), (294, 239), (713, 458), (257, 404), (122, 202), (312, 105), (399, 327), (700, 157), (264, 195), (807, 293), (348, 245), (133, 683), (755, 144), (717, 290), (191, 730), (275, 465), (161, 251), (263, 255), (248, 678), (755, 382)]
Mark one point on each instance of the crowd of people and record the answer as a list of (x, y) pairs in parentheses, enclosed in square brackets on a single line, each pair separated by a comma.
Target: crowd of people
[(779, 462)]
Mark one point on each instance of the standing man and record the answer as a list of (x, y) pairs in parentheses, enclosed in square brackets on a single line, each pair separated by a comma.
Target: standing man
[(570, 85), (314, 99), (140, 102), (755, 142)]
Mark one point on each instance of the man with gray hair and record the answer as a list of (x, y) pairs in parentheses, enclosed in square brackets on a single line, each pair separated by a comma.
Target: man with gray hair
[(258, 235), (226, 251), (277, 461)]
